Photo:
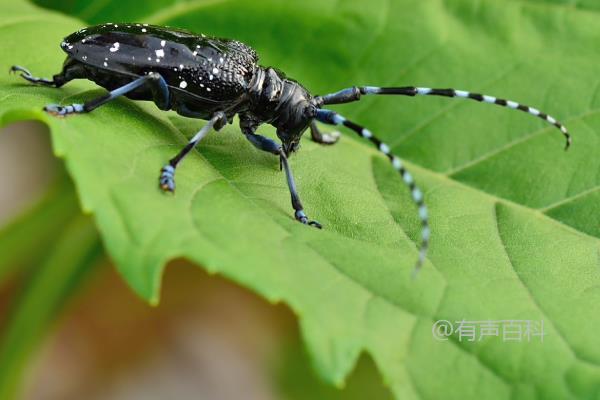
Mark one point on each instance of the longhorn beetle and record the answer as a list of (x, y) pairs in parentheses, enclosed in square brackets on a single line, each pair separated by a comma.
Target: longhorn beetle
[(214, 79)]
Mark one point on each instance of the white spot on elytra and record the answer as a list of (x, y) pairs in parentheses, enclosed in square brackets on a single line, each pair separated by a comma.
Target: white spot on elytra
[(183, 84), (208, 89), (144, 30), (162, 43), (149, 58), (181, 67), (105, 64), (160, 53), (221, 60), (115, 47)]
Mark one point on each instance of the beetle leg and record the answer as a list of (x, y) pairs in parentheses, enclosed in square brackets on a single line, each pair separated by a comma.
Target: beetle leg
[(270, 146), (167, 173), (299, 213), (156, 82), (71, 70), (25, 74), (323, 138), (57, 80)]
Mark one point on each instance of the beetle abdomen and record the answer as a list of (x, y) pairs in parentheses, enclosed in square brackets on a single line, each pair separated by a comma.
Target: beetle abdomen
[(212, 68)]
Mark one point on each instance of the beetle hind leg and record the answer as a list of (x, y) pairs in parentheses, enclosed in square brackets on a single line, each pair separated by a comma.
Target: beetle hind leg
[(323, 138), (72, 69), (56, 81)]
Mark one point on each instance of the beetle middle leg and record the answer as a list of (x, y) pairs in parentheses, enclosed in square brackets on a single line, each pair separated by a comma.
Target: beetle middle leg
[(323, 138), (270, 146), (155, 82), (167, 173)]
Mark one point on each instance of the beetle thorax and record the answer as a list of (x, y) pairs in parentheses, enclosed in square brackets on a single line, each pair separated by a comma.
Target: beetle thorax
[(281, 102)]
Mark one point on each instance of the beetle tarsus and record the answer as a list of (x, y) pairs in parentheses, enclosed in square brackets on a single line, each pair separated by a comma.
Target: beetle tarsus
[(25, 74), (24, 71), (301, 217), (63, 111), (166, 180), (323, 138), (329, 138)]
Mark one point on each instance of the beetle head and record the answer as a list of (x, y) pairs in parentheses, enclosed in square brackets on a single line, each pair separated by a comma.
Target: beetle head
[(294, 120), (283, 103), (295, 114)]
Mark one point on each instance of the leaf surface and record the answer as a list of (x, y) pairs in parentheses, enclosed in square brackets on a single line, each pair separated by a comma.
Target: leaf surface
[(514, 218)]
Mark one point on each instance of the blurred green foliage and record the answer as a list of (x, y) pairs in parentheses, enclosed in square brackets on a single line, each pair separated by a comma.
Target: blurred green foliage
[(515, 219)]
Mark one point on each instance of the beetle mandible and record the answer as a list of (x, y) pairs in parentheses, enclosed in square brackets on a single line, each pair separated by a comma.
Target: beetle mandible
[(214, 79)]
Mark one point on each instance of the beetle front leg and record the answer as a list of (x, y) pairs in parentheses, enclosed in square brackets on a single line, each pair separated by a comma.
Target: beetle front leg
[(299, 213), (323, 138), (270, 146)]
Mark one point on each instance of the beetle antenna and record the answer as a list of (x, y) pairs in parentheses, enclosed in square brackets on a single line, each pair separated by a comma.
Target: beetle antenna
[(333, 118), (354, 93)]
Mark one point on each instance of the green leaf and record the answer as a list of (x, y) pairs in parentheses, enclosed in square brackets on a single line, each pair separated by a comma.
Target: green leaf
[(295, 380), (514, 218)]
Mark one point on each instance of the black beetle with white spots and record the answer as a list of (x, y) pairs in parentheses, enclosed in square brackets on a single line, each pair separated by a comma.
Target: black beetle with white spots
[(214, 79)]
